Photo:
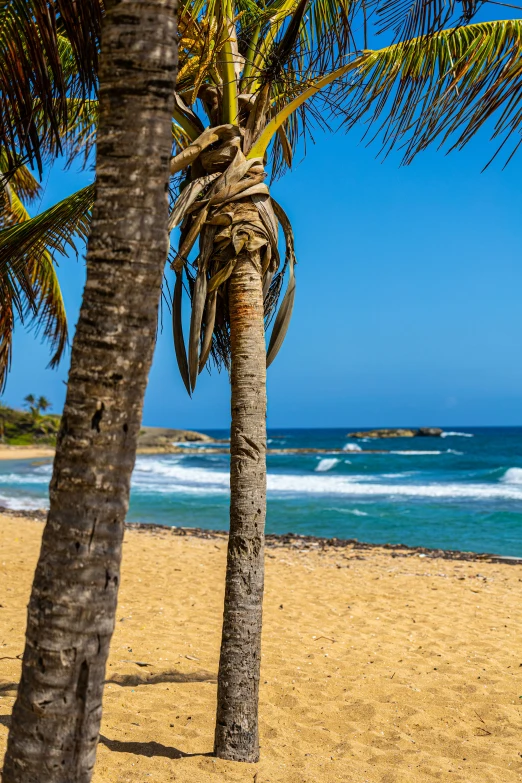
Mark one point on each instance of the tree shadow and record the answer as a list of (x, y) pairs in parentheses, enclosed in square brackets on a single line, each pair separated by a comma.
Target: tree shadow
[(148, 749), (5, 687), (127, 680)]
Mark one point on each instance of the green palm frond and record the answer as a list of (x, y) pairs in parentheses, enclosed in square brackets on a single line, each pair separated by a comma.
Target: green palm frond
[(51, 231), (47, 314), (29, 286), (20, 179), (450, 87), (413, 18), (38, 70)]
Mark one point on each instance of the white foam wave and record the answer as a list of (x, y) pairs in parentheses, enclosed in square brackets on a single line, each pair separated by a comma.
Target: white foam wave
[(23, 503), (399, 475), (172, 477), (456, 435), (25, 478), (326, 464), (411, 453), (353, 511), (512, 476), (351, 447)]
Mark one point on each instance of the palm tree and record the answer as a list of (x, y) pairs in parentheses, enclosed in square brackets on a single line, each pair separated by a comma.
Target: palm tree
[(30, 403), (260, 74), (56, 717), (48, 59), (43, 404)]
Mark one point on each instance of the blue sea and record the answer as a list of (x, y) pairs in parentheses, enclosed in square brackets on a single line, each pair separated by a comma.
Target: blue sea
[(462, 491)]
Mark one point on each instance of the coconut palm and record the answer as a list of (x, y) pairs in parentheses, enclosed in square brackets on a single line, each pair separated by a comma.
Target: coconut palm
[(43, 404), (259, 75), (71, 616), (48, 60)]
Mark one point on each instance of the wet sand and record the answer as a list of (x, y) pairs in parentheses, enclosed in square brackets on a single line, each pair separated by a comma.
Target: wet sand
[(379, 666)]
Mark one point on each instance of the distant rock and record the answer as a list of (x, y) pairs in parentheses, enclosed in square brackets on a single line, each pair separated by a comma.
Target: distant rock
[(162, 438), (430, 432)]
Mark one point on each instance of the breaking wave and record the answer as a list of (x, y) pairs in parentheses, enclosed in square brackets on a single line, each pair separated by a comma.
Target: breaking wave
[(512, 476), (326, 464)]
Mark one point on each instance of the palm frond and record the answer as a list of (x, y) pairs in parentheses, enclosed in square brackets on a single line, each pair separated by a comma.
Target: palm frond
[(416, 18), (50, 232), (448, 88), (36, 77), (6, 340), (29, 286), (20, 179), (47, 313)]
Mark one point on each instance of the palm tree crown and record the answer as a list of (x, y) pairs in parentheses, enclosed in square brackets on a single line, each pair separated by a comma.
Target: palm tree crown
[(272, 72)]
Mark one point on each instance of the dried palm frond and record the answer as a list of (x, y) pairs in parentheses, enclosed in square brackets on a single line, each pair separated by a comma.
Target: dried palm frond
[(230, 211)]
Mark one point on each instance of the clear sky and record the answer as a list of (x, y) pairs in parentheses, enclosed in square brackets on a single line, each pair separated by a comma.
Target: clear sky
[(408, 306)]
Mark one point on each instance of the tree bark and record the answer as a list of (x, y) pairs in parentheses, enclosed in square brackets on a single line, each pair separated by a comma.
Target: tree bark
[(56, 717), (237, 736)]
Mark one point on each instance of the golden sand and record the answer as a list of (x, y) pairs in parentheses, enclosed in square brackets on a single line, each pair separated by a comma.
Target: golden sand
[(25, 452), (376, 668)]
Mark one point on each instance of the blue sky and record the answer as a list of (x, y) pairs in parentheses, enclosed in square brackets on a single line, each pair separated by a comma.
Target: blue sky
[(408, 300)]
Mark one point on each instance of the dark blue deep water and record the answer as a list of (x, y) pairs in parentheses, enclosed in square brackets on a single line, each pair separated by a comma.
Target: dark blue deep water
[(463, 491)]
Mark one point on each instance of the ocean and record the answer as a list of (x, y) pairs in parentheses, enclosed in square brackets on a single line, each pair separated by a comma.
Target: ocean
[(462, 491)]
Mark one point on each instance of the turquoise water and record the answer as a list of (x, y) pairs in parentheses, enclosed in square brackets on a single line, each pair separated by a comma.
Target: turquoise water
[(463, 491)]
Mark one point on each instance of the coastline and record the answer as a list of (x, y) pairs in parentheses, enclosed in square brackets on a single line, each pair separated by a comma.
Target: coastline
[(36, 452), (378, 664), (296, 541)]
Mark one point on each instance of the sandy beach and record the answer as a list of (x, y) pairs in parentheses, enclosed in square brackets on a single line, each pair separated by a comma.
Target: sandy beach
[(379, 666), (25, 452)]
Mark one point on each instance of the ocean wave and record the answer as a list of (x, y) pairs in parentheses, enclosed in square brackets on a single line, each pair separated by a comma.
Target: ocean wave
[(326, 464), (412, 453), (512, 476), (456, 435), (173, 477), (353, 511), (351, 447), (25, 478), (23, 503)]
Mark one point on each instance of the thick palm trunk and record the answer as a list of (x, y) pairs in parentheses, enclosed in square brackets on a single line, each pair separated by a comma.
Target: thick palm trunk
[(238, 680), (56, 717)]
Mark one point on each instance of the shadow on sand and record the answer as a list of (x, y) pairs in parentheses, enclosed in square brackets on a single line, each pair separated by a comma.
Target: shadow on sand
[(148, 749), (132, 680), (6, 687)]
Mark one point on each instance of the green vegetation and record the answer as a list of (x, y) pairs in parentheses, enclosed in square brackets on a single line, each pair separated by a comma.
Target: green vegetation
[(31, 427)]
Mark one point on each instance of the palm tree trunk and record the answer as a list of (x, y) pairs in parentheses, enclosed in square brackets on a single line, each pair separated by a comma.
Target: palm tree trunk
[(238, 679), (56, 717)]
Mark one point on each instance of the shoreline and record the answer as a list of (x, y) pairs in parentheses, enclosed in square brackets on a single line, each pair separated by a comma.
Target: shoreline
[(297, 541), (41, 452)]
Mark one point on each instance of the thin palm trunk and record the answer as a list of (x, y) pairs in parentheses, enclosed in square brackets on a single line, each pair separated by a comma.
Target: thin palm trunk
[(237, 734), (56, 718)]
